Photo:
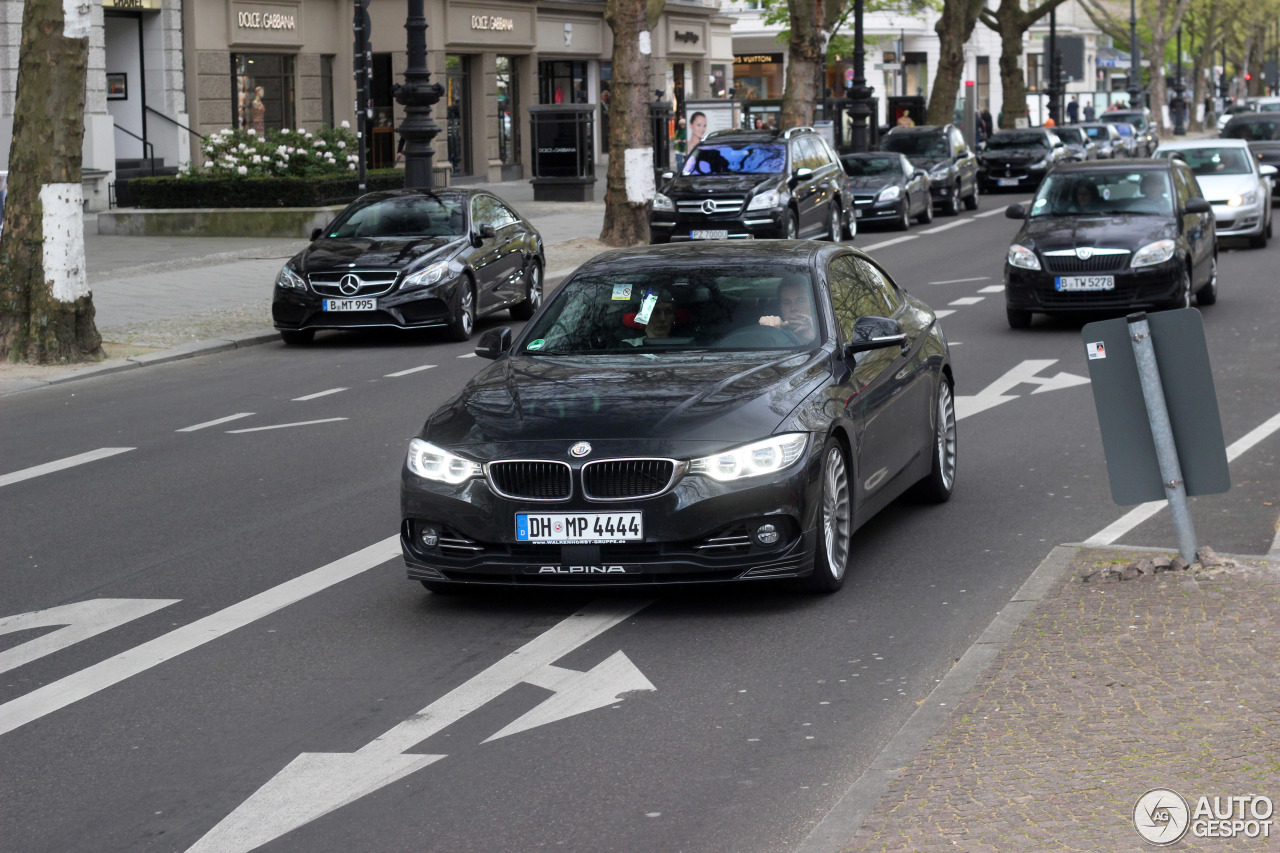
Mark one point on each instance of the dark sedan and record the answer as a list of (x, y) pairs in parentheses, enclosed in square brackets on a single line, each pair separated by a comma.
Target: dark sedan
[(1079, 145), (887, 188), (412, 259), (1124, 236), (1019, 159), (685, 413), (1106, 138)]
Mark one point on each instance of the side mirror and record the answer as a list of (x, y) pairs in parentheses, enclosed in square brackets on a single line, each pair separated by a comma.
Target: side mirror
[(1015, 211), (919, 173), (482, 233), (1198, 205), (802, 174), (494, 343), (1268, 170), (872, 333), (666, 176), (315, 234)]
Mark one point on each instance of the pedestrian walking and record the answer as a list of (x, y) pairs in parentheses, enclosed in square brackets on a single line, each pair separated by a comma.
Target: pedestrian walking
[(1089, 113), (1073, 110)]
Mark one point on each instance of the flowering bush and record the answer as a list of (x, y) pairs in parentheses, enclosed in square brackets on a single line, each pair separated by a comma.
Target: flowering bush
[(328, 152)]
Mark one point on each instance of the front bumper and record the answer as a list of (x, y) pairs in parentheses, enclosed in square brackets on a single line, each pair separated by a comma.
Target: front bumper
[(697, 532), (1150, 287), (867, 209), (1243, 221), (1013, 177), (678, 226), (419, 308)]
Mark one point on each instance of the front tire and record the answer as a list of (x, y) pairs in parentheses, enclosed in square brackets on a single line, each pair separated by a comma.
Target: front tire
[(953, 202), (1018, 319), (835, 522), (1183, 298), (926, 215), (903, 222), (532, 293), (791, 228), (937, 486), (971, 200), (1208, 294), (297, 337), (464, 320), (835, 223)]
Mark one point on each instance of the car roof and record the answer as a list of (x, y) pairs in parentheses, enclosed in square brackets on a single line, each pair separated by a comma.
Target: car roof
[(753, 135), (1141, 164), (919, 128), (712, 254), (1210, 142)]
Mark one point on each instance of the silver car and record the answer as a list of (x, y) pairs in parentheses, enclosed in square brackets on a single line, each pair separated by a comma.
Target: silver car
[(1238, 187)]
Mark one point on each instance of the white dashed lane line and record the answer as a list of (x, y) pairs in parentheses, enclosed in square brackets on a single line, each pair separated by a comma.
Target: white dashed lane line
[(945, 312), (468, 355), (995, 288), (895, 241), (285, 426), (407, 372), (967, 300), (318, 394), (61, 464), (227, 419), (948, 226), (963, 280)]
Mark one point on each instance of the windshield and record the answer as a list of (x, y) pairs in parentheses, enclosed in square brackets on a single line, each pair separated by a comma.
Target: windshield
[(1269, 108), (678, 309), (737, 158), (861, 166), (411, 216), (916, 144), (1253, 130), (1070, 135), (1017, 140), (1127, 118), (1104, 194), (1125, 129), (1213, 161), (1096, 133)]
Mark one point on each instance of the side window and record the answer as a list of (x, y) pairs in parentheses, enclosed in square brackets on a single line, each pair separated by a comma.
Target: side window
[(907, 170), (1185, 189), (890, 295), (481, 211), (957, 141), (855, 292), (802, 154), (502, 215), (821, 154)]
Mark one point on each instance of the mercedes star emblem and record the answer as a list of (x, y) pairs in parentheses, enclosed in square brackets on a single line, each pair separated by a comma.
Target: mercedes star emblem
[(350, 284)]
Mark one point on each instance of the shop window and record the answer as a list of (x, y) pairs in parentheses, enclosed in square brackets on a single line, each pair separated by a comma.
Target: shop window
[(263, 91), (508, 111), (606, 83), (457, 115), (326, 91), (562, 82)]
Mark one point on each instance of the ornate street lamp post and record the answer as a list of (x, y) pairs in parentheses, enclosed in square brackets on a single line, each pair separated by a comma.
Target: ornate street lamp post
[(859, 92), (417, 96), (1054, 89), (1179, 95), (1135, 61)]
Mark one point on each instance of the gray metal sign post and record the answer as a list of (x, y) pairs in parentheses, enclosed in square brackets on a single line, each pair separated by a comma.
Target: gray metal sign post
[(1158, 412)]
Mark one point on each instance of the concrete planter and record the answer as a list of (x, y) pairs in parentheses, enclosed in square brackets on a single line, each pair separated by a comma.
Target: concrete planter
[(217, 222)]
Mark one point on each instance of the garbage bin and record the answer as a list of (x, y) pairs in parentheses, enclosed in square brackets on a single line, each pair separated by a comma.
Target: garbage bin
[(564, 166)]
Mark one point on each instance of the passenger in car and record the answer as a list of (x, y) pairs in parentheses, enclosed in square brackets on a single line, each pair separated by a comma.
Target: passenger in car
[(795, 310), (662, 319)]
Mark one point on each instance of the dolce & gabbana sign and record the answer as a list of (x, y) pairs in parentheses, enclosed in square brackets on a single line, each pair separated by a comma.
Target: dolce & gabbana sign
[(254, 23), (492, 22)]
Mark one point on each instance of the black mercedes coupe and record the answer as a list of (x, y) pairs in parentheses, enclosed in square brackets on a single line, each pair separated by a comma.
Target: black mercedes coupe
[(693, 412), (412, 259)]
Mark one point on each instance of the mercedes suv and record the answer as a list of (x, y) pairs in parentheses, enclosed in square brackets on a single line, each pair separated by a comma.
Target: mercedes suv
[(745, 184)]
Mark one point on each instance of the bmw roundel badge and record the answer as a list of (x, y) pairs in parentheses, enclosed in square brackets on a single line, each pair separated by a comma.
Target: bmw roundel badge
[(580, 450)]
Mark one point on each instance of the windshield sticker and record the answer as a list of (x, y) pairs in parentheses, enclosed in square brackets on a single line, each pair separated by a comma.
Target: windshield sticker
[(537, 344), (1040, 202), (1106, 193), (621, 292), (646, 307)]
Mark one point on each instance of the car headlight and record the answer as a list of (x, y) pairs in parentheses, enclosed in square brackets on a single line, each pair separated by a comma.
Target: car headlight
[(772, 198), (751, 460), (1021, 256), (426, 276), (662, 202), (1154, 253), (433, 463), (889, 194), (287, 278), (1250, 197)]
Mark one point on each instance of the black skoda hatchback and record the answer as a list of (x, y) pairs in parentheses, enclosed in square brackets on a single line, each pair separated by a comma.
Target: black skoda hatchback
[(688, 413), (1117, 236), (412, 259)]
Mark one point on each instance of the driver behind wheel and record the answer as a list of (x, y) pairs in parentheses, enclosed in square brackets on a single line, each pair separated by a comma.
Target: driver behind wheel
[(795, 305)]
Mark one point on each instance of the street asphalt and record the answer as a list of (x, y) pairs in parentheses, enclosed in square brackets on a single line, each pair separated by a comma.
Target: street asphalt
[(1093, 685)]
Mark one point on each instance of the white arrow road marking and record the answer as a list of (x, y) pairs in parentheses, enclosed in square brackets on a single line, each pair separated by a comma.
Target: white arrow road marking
[(318, 394), (1142, 512), (997, 392), (100, 676), (79, 621), (407, 372), (993, 288), (314, 784), (227, 419), (69, 462), (285, 426)]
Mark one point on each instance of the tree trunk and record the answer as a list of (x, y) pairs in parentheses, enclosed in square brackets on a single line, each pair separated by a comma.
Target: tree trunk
[(46, 309), (806, 54), (1013, 84), (629, 179), (954, 28)]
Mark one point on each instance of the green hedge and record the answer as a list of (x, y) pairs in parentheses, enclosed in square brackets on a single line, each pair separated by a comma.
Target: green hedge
[(199, 191)]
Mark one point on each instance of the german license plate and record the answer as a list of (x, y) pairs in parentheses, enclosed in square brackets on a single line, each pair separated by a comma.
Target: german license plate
[(1007, 182), (1084, 282), (350, 305), (708, 234), (572, 528)]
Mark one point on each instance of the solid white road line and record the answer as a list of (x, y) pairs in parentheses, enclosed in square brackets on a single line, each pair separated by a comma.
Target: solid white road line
[(227, 419), (895, 241), (943, 312), (995, 288), (59, 694), (407, 372), (967, 300), (948, 226), (1109, 534), (285, 426), (963, 280), (997, 212), (69, 462), (318, 394)]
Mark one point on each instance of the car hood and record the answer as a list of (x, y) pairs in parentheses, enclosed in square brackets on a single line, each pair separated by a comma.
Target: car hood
[(1219, 188), (870, 183), (1014, 155), (930, 163), (714, 185), (1130, 232), (326, 253), (722, 398)]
